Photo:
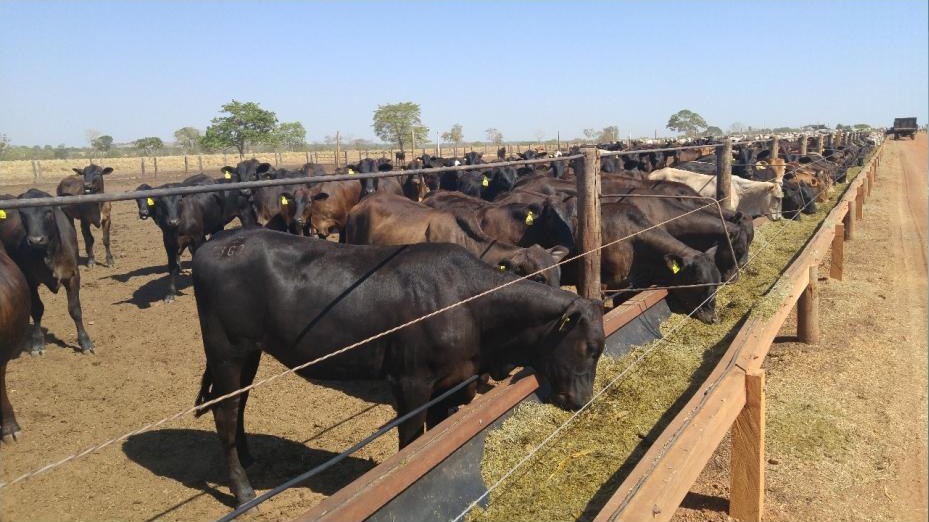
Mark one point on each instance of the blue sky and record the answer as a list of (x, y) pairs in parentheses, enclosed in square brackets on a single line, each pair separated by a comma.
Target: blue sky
[(146, 68)]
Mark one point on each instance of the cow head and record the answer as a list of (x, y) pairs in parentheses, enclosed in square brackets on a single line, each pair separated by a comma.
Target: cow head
[(93, 177), (248, 170), (300, 201), (695, 269), (473, 158), (568, 357), (725, 262), (146, 205), (39, 223), (525, 261), (798, 198)]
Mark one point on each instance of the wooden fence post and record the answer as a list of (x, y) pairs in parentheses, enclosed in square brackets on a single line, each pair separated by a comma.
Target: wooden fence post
[(200, 162), (859, 203), (808, 310), (746, 496), (775, 145), (186, 165), (818, 144), (307, 153), (338, 149), (588, 224), (35, 171), (724, 173), (803, 144), (143, 167), (155, 161), (838, 253), (849, 222)]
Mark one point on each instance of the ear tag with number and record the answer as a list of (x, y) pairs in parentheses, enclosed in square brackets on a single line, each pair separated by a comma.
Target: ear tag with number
[(485, 181), (564, 323), (350, 171), (675, 268), (150, 202), (530, 218), (227, 176), (283, 200), (2, 214), (502, 268)]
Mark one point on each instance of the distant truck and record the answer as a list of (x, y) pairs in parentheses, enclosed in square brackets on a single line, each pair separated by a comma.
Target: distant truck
[(904, 127)]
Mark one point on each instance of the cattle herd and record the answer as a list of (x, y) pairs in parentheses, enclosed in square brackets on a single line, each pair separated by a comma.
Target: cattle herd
[(409, 245)]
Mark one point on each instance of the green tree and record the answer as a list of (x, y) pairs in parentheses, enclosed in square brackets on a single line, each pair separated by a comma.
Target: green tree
[(149, 145), (590, 134), (494, 136), (862, 126), (609, 134), (290, 135), (61, 152), (398, 122), (243, 125), (688, 122), (188, 138), (4, 143), (454, 136), (102, 144), (713, 131)]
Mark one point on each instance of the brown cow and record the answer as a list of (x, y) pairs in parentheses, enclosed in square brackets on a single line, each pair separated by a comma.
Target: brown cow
[(14, 318), (88, 180), (329, 214), (388, 219)]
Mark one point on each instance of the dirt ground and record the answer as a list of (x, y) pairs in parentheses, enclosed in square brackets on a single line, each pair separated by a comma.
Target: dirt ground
[(148, 365), (847, 417), (149, 361)]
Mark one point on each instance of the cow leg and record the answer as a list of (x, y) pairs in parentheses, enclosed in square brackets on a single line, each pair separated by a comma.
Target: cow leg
[(439, 412), (9, 429), (73, 287), (249, 369), (170, 242), (410, 395), (37, 310), (88, 242), (227, 377), (105, 209)]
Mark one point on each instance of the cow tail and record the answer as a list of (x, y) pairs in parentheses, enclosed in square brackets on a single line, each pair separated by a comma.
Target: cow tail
[(206, 392)]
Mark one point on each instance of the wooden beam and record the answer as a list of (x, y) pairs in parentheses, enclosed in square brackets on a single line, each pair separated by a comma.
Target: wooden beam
[(838, 253), (724, 173), (849, 221), (859, 203), (588, 224), (746, 492), (808, 310)]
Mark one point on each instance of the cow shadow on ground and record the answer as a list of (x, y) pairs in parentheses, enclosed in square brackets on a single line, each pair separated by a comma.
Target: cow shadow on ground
[(50, 339), (194, 458), (155, 290), (146, 271), (369, 391)]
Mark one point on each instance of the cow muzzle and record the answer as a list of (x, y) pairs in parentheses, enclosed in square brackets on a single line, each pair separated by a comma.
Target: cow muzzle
[(37, 241)]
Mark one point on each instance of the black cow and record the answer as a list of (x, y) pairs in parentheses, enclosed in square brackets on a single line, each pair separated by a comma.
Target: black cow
[(14, 319), (43, 243), (260, 290), (89, 180), (185, 221)]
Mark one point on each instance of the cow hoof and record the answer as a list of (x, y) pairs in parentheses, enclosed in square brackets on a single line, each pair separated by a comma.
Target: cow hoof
[(109, 261), (14, 436), (37, 351), (87, 346), (169, 299), (91, 263)]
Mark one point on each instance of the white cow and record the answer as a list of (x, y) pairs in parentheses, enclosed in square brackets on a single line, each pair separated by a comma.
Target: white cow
[(753, 198)]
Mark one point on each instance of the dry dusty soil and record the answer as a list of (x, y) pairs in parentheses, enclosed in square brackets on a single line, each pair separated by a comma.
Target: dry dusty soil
[(865, 384), (846, 418)]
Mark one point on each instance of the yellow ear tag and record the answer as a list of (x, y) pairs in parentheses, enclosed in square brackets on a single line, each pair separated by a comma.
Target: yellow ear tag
[(2, 214), (675, 268), (486, 181), (150, 202), (530, 218), (350, 171), (564, 324), (283, 200), (502, 268), (227, 176)]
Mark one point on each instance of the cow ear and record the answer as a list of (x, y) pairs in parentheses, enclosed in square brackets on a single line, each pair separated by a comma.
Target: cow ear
[(78, 171), (262, 168), (106, 170), (321, 196), (558, 252), (673, 262), (712, 251)]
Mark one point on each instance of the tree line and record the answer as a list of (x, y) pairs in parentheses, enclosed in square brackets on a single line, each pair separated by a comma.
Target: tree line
[(245, 127)]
